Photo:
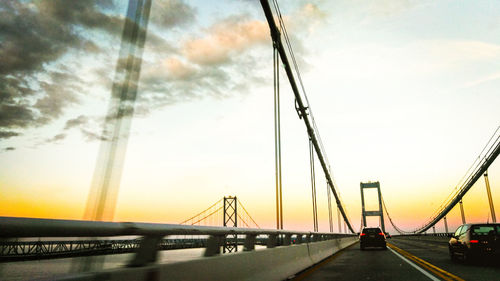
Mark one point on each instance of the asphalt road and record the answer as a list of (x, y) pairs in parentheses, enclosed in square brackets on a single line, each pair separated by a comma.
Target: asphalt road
[(405, 259)]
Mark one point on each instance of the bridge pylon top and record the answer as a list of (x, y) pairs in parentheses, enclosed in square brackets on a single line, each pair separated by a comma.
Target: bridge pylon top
[(374, 213)]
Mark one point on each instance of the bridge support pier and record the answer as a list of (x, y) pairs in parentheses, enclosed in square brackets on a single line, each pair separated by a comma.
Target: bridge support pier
[(272, 240), (147, 252), (249, 242), (213, 245)]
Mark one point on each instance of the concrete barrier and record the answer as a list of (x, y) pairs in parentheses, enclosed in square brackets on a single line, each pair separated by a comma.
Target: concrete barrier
[(267, 264), (443, 239)]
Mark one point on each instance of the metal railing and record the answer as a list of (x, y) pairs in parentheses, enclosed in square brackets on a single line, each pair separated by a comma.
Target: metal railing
[(47, 249), (152, 234), (439, 234)]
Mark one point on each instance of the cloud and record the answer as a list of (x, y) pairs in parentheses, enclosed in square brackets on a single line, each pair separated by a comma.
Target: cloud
[(225, 60), (224, 39), (488, 78), (16, 115), (40, 33), (88, 126), (170, 13), (307, 18), (56, 138), (76, 122), (39, 81), (35, 36), (389, 8), (453, 51), (178, 69), (8, 134), (93, 136), (219, 63), (36, 86)]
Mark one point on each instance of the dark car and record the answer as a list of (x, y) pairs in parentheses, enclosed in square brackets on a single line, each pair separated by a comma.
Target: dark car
[(475, 240), (372, 237)]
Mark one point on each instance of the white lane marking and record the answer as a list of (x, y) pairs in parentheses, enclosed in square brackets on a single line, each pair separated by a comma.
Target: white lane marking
[(415, 266)]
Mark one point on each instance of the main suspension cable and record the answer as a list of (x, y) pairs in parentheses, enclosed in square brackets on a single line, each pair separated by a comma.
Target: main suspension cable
[(303, 111), (200, 213), (491, 151), (248, 214)]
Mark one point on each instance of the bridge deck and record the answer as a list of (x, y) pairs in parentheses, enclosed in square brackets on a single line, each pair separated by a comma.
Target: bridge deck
[(375, 264)]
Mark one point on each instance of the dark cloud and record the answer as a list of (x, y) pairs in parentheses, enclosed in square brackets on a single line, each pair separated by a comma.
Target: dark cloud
[(158, 45), (16, 115), (92, 136), (34, 36), (88, 127), (56, 138), (63, 90), (76, 122), (8, 134), (37, 88), (169, 13), (87, 13)]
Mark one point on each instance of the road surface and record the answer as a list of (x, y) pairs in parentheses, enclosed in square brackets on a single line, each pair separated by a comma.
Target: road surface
[(405, 259)]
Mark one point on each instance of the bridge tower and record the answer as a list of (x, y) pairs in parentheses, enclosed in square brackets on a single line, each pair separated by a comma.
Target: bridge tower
[(230, 220), (377, 213)]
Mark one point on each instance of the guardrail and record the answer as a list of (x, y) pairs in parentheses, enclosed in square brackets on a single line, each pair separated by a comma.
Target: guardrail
[(48, 249), (441, 234), (292, 251)]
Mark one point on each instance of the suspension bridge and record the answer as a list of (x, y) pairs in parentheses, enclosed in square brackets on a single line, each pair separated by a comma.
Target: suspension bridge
[(234, 246), (227, 212)]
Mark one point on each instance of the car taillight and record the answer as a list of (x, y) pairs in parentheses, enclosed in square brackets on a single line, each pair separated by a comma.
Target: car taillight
[(362, 234), (474, 241), (381, 233)]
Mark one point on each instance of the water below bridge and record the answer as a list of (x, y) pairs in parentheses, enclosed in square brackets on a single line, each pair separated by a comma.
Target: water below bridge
[(50, 268)]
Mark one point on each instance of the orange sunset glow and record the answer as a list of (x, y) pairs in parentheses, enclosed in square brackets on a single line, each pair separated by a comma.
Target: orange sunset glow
[(397, 98)]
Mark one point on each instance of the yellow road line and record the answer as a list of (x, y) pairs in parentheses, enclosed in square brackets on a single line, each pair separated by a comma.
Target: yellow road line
[(317, 266), (428, 266)]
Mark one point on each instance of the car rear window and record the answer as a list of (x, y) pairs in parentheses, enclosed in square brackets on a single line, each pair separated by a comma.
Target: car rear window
[(482, 229), (371, 230)]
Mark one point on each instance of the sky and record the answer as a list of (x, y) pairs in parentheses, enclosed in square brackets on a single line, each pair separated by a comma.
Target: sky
[(403, 92)]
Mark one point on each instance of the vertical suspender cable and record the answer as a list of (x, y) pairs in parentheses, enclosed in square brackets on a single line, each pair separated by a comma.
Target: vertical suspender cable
[(330, 221), (462, 211), (279, 132), (338, 218), (277, 140), (313, 186), (490, 199), (300, 106)]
